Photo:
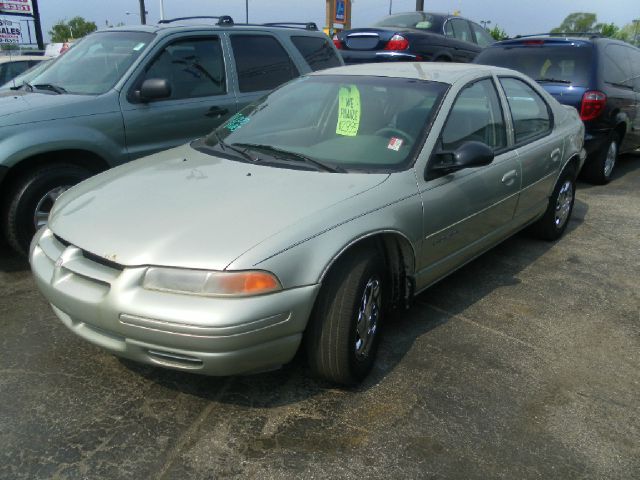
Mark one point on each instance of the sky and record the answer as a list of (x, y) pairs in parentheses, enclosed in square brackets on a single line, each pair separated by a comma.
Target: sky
[(513, 16)]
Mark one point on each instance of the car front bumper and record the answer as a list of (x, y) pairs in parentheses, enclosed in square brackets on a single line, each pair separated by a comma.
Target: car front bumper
[(107, 306), (355, 56)]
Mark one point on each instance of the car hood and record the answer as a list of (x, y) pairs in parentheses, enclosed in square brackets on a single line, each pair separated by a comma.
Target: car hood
[(18, 107), (185, 208)]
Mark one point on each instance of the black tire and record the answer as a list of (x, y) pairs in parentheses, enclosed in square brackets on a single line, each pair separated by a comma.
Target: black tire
[(25, 195), (554, 222), (599, 168), (332, 335)]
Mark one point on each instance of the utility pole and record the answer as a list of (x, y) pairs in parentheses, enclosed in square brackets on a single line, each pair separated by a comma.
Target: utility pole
[(161, 9), (247, 10), (390, 6), (143, 13), (419, 5), (37, 25)]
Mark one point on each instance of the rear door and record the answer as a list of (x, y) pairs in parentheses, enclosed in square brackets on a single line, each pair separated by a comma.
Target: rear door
[(201, 97), (261, 63), (539, 151)]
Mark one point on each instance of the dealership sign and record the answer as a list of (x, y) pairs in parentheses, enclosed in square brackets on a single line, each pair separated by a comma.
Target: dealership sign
[(10, 32), (17, 7)]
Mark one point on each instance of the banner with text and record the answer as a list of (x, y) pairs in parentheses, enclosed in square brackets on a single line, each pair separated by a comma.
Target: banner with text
[(9, 31), (16, 7)]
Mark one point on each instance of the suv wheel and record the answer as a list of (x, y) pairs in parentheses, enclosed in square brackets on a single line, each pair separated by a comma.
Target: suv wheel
[(600, 168), (344, 330), (32, 198)]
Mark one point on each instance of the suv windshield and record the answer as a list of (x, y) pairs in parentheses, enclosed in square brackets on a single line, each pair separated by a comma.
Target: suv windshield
[(333, 122), (94, 64), (565, 63), (419, 20)]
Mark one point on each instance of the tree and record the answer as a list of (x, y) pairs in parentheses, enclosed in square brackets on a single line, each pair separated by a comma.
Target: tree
[(497, 33), (77, 27), (577, 22), (629, 33), (608, 29)]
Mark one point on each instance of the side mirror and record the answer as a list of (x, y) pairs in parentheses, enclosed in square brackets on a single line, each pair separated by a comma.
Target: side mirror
[(469, 154), (154, 89)]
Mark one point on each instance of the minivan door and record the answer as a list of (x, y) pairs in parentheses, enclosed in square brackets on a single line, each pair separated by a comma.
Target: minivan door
[(200, 99)]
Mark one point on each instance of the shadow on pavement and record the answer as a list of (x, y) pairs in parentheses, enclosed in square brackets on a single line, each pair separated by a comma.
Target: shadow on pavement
[(627, 163), (11, 261)]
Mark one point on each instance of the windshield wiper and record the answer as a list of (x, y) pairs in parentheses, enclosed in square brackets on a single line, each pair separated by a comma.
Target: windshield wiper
[(50, 86), (552, 80), (293, 156), (225, 145)]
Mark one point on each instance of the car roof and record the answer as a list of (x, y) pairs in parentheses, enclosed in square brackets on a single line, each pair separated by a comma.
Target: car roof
[(188, 24), (435, 71), (550, 39)]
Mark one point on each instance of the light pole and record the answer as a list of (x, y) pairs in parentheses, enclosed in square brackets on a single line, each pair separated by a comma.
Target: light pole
[(390, 6), (246, 5), (419, 5), (161, 9), (485, 23)]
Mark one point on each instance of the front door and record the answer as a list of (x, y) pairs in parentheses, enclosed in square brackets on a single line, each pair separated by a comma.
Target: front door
[(200, 100), (468, 210)]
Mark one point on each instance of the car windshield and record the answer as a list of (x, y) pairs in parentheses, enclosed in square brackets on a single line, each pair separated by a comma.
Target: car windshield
[(334, 122), (569, 64), (94, 64), (419, 20)]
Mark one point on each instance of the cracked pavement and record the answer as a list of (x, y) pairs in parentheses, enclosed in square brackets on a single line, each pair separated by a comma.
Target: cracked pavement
[(523, 364)]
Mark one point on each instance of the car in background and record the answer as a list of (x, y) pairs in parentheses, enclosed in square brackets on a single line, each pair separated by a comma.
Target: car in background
[(414, 36), (13, 65), (26, 76), (307, 216), (598, 76), (126, 92)]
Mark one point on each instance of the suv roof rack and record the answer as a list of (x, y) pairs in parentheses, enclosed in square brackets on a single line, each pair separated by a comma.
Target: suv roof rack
[(561, 34), (222, 20), (304, 25)]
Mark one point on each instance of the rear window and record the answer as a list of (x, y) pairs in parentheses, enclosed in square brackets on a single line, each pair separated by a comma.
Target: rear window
[(317, 52), (566, 63), (420, 20)]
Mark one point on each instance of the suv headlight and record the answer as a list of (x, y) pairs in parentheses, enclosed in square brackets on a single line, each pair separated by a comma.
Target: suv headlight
[(211, 283)]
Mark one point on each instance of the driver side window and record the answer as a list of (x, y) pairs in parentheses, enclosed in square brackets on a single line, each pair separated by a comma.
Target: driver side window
[(476, 115), (194, 68)]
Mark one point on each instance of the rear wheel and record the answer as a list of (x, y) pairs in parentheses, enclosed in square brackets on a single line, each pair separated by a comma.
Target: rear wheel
[(343, 334), (31, 199), (599, 169), (554, 222)]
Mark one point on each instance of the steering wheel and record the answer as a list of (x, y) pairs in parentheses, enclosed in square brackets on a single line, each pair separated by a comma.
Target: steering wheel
[(396, 132)]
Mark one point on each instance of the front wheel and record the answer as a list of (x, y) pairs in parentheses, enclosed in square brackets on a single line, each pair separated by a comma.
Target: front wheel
[(343, 334), (554, 222), (32, 198)]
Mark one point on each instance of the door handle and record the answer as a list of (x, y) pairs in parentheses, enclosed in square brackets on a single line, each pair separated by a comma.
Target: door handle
[(216, 112), (555, 155), (509, 177)]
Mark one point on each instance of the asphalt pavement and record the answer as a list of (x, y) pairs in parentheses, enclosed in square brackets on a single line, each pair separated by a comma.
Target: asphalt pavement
[(523, 364)]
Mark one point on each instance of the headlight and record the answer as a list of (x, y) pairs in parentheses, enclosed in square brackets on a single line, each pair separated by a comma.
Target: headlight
[(210, 283)]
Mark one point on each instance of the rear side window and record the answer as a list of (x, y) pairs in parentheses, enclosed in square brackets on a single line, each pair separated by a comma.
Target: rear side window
[(634, 54), (482, 37), (544, 63), (11, 70), (529, 111), (461, 29), (475, 116), (617, 66), (317, 52), (261, 62)]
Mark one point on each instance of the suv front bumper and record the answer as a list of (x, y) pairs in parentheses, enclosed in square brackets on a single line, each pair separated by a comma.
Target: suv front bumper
[(214, 336)]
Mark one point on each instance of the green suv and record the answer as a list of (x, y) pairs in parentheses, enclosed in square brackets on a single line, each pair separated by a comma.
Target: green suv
[(127, 92)]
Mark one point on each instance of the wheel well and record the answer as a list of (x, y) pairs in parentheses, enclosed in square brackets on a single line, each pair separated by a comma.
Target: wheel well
[(621, 129), (442, 58), (574, 162), (82, 158), (399, 258)]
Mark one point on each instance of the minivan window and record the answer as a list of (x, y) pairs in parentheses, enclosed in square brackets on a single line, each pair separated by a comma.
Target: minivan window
[(94, 64), (317, 52), (529, 111), (261, 62), (617, 66), (570, 64)]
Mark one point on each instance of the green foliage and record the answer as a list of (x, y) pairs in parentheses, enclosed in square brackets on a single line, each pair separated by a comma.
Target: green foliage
[(497, 33), (608, 29), (9, 46), (77, 27), (577, 22), (629, 33)]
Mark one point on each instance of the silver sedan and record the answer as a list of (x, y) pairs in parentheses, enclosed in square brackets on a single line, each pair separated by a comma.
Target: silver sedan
[(307, 216)]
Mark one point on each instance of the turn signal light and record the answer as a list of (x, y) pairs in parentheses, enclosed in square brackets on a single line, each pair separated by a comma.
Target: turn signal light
[(337, 43), (593, 104), (397, 42)]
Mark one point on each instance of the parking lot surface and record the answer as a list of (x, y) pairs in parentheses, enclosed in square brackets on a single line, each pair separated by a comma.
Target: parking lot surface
[(523, 364)]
